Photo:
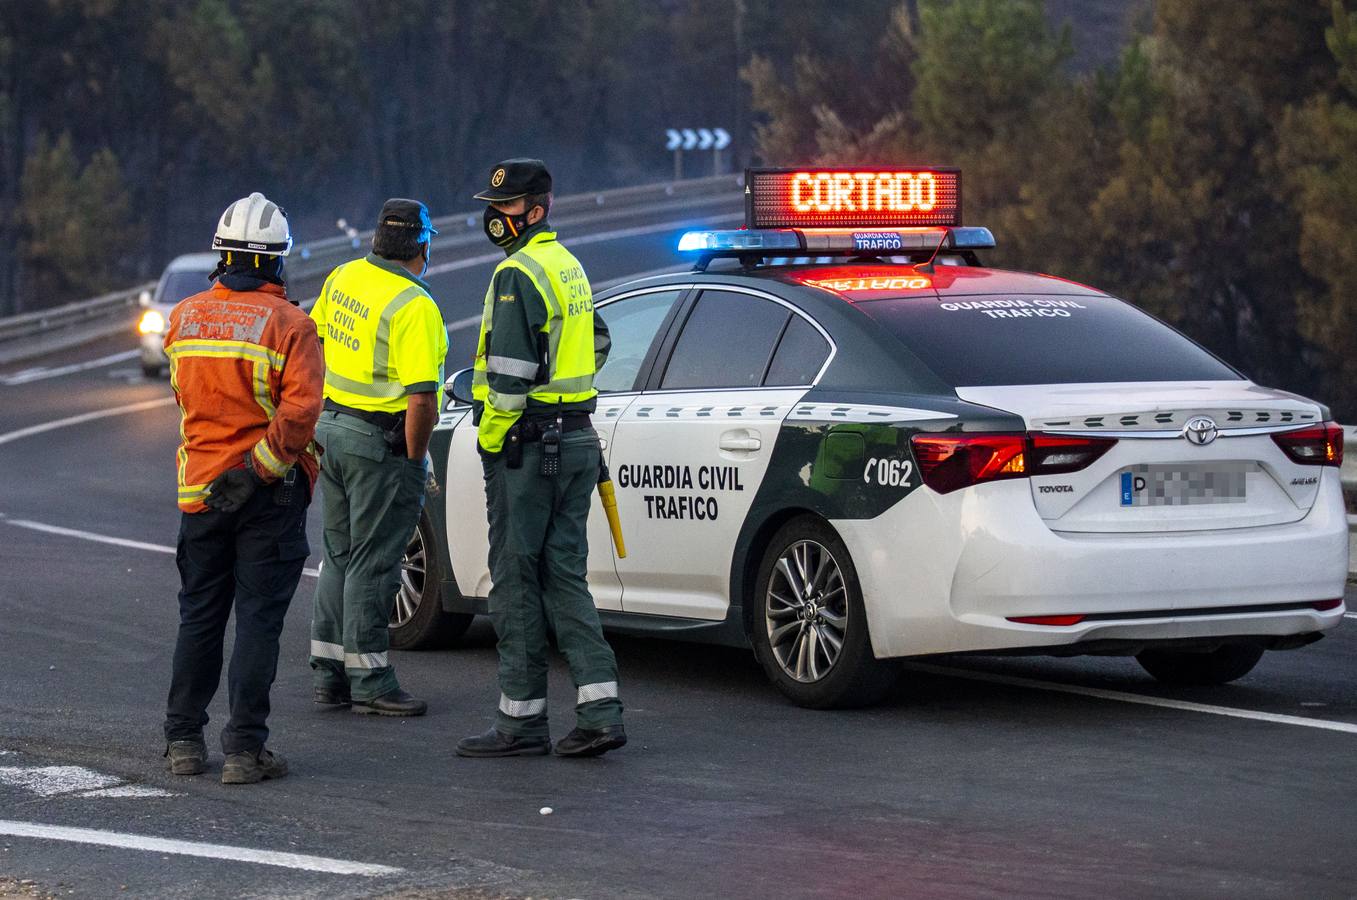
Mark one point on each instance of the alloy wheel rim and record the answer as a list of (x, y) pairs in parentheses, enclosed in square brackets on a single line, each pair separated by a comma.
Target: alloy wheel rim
[(806, 611), (413, 569)]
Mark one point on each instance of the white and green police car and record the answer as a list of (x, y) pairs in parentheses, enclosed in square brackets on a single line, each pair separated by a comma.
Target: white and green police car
[(843, 441)]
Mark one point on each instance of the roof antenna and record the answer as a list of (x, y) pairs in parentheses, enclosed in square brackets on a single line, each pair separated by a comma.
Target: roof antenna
[(927, 267)]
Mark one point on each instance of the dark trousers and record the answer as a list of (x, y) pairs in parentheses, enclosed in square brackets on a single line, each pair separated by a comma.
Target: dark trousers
[(251, 560)]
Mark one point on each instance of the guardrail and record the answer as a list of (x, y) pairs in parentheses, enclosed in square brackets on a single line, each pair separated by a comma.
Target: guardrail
[(45, 331)]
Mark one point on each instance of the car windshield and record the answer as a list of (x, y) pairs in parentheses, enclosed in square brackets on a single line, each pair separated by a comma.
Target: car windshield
[(1036, 339), (178, 285)]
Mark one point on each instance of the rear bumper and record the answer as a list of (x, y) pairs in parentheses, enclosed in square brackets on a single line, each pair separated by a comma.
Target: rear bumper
[(942, 573)]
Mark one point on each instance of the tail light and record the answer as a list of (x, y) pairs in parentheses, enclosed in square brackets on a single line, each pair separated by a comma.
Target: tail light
[(948, 462), (1316, 445)]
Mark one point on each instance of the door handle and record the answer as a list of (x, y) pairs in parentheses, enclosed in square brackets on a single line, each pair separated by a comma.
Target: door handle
[(735, 442)]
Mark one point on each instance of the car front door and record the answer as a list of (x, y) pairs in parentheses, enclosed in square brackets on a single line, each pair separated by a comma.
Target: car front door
[(689, 454), (634, 321)]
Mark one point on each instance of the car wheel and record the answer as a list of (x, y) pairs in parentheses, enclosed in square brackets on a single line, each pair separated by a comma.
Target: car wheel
[(1219, 666), (810, 628), (418, 620), (151, 370)]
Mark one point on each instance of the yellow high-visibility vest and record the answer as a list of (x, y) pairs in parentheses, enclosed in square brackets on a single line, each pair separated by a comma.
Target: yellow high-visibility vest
[(559, 278), (383, 334)]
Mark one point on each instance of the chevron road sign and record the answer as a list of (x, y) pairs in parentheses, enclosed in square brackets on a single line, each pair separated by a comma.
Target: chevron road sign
[(677, 140)]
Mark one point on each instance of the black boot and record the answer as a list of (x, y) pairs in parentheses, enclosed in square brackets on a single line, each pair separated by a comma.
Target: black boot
[(252, 767), (333, 696), (584, 742), (392, 703), (186, 757), (496, 743)]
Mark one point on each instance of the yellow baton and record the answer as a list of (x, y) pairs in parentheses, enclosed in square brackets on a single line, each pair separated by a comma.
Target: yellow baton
[(605, 493)]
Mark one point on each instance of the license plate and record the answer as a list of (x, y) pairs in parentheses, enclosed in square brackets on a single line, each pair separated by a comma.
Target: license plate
[(1185, 484)]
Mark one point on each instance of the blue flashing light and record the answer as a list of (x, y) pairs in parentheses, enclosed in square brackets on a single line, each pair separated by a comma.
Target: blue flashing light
[(971, 237), (735, 241)]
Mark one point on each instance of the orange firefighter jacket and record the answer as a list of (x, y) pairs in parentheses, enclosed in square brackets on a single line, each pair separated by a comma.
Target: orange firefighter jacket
[(247, 371)]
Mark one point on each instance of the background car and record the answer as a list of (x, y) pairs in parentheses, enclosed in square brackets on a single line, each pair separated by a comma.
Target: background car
[(185, 276)]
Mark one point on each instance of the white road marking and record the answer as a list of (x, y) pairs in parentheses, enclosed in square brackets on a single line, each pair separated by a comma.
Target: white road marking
[(193, 848), (1127, 697), (104, 538), (45, 427), (40, 374), (1350, 615), (614, 235), (74, 781)]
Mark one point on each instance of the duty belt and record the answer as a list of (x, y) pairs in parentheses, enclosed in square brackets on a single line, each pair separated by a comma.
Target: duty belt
[(530, 428), (383, 420)]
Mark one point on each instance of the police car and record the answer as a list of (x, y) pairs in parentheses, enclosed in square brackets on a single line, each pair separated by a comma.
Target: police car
[(843, 441)]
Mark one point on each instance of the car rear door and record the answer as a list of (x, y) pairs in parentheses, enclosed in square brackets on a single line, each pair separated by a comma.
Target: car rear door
[(690, 452)]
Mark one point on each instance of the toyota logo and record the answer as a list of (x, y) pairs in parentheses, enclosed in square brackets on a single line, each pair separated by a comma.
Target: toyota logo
[(1200, 430)]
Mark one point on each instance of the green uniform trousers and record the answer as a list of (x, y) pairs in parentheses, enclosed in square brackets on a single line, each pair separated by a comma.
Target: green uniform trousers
[(539, 552), (371, 501)]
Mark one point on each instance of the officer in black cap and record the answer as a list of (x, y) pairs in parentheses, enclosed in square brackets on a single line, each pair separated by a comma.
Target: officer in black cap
[(385, 342), (540, 346)]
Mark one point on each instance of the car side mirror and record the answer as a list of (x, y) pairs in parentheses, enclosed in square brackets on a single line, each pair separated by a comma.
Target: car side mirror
[(459, 386)]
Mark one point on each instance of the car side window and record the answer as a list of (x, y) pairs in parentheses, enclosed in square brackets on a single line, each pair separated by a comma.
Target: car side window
[(799, 356), (726, 342), (632, 324)]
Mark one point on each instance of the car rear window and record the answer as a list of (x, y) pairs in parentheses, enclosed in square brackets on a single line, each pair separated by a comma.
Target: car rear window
[(1032, 339)]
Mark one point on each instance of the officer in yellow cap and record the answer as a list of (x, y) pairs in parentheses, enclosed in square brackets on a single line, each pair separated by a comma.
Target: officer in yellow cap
[(539, 348), (385, 342)]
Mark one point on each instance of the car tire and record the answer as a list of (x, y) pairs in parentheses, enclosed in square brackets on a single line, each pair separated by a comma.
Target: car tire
[(1219, 666), (794, 628), (418, 620), (151, 370)]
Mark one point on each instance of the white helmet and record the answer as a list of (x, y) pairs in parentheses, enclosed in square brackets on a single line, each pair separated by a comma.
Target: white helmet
[(254, 224)]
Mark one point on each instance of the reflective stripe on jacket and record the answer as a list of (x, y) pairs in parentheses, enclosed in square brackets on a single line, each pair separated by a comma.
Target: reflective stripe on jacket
[(383, 334), (246, 369), (539, 344)]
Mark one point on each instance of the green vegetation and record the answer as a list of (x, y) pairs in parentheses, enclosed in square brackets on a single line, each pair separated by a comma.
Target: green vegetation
[(1209, 175), (1206, 170)]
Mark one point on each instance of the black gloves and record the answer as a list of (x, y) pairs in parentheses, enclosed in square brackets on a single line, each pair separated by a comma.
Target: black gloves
[(229, 490)]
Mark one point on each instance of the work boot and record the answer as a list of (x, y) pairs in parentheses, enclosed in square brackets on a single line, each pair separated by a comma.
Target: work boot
[(186, 757), (252, 767), (392, 703), (585, 742), (496, 743), (330, 695)]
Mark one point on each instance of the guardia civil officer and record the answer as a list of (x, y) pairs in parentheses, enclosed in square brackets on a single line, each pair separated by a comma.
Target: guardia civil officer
[(246, 369), (385, 342), (539, 348)]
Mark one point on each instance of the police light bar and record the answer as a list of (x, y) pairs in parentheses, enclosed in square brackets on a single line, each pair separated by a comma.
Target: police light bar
[(852, 197), (833, 241)]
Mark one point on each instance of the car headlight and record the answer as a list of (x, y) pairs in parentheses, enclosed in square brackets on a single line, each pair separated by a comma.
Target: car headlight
[(152, 322)]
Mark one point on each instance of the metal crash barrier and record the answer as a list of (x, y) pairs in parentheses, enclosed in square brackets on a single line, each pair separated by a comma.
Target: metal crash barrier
[(45, 331)]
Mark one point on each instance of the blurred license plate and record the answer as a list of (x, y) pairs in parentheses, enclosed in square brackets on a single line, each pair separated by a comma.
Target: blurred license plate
[(1185, 484)]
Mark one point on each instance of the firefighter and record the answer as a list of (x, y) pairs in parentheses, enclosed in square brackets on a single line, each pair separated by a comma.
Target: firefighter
[(385, 343), (246, 370), (539, 348)]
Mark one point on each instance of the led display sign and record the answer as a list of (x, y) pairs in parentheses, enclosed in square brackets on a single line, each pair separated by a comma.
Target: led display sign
[(852, 198)]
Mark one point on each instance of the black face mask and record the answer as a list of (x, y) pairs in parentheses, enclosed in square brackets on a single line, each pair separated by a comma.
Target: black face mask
[(503, 229)]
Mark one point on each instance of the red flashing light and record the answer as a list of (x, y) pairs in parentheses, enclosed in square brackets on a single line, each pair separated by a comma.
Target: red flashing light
[(855, 197), (1317, 445), (855, 284), (1047, 620)]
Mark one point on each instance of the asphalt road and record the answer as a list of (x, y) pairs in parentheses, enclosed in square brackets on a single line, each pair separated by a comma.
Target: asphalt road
[(979, 777)]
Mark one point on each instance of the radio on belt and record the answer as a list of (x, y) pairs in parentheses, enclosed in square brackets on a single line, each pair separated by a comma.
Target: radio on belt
[(844, 211)]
